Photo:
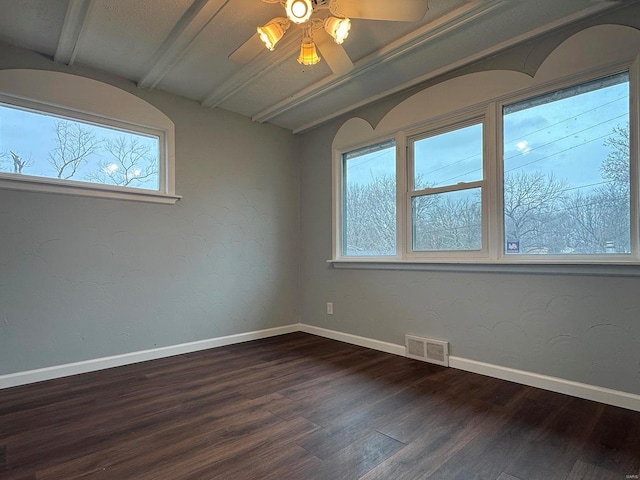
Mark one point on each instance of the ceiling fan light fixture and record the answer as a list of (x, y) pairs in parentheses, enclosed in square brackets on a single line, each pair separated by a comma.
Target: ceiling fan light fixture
[(338, 28), (299, 11), (308, 52), (272, 32)]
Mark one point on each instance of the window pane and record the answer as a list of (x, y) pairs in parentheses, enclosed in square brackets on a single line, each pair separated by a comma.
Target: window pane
[(448, 158), (49, 146), (566, 171), (369, 205), (448, 221)]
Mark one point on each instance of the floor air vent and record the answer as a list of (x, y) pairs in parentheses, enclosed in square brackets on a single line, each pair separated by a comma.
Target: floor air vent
[(427, 350)]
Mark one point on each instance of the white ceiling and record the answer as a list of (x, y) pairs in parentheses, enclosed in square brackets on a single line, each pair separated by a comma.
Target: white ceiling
[(182, 46)]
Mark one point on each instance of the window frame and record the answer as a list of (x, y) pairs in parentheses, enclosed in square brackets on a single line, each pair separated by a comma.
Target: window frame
[(634, 256), (492, 253), (419, 134), (338, 198), (137, 117), (343, 217)]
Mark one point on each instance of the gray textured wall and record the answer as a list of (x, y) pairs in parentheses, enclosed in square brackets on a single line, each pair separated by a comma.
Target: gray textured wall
[(84, 278), (581, 328)]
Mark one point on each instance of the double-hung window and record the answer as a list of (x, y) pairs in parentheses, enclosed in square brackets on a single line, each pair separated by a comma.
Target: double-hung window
[(446, 189)]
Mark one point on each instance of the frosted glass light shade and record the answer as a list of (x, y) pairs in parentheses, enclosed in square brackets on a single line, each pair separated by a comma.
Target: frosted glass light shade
[(338, 28), (308, 53)]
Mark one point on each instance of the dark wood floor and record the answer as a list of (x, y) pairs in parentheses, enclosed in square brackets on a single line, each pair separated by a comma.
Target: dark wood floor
[(303, 407)]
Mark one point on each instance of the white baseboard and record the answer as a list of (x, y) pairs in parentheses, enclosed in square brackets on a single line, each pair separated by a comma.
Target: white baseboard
[(58, 371), (554, 384), (354, 339), (559, 385), (582, 390)]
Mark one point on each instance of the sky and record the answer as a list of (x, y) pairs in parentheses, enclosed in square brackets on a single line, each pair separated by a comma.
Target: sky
[(565, 136)]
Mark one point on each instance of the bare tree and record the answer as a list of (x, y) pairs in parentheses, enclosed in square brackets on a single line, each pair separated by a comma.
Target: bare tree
[(531, 209), (381, 207), (599, 221), (546, 214), (74, 144), (616, 166), (131, 163), (371, 216), (19, 163), (443, 223)]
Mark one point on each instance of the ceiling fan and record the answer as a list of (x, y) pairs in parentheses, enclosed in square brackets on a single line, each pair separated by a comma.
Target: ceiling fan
[(325, 24)]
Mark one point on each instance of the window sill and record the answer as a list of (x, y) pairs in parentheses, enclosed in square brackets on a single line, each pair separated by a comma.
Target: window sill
[(619, 269), (82, 189)]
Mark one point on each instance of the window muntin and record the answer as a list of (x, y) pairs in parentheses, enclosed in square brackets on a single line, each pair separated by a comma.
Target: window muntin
[(369, 201), (566, 171), (51, 146), (446, 200)]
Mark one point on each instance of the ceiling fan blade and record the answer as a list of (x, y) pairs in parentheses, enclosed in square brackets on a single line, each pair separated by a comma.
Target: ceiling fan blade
[(335, 56), (248, 50), (396, 10)]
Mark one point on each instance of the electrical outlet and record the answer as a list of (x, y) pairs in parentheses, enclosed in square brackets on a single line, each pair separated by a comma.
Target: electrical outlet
[(329, 308)]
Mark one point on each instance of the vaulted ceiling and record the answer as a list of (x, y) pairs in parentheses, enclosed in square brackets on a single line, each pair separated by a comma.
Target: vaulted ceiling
[(183, 47)]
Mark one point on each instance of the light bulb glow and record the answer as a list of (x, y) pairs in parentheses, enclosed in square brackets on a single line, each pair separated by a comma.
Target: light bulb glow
[(338, 28), (299, 11)]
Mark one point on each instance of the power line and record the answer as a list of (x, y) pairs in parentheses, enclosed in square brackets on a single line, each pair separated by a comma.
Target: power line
[(569, 135), (573, 147), (531, 133), (570, 118), (350, 166)]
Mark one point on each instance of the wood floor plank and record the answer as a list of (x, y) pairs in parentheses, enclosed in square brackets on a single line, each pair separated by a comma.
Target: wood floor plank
[(552, 454), (437, 444), (301, 407), (585, 471), (506, 476), (488, 455), (615, 442), (356, 459)]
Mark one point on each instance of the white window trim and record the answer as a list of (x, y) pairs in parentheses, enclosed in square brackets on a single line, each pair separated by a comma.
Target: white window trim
[(86, 99), (472, 117), (634, 88), (338, 175), (494, 259)]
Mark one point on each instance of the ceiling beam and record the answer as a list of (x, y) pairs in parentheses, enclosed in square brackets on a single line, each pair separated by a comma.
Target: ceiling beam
[(400, 47), (178, 42), (261, 65), (74, 22), (596, 8)]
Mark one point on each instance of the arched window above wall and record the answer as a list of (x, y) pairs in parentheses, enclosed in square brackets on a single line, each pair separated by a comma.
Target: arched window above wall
[(66, 134)]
